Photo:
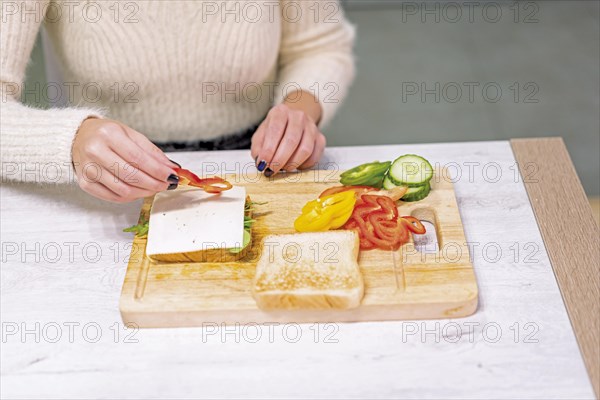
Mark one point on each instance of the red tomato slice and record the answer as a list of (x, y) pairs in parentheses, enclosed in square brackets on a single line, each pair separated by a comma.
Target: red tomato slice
[(413, 225), (359, 190)]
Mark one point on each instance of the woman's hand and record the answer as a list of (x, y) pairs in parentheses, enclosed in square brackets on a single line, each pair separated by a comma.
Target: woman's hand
[(289, 138), (116, 163)]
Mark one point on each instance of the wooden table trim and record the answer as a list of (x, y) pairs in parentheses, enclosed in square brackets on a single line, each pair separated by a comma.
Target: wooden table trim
[(571, 237)]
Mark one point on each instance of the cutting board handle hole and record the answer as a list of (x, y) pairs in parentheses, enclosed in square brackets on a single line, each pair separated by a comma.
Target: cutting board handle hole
[(427, 243)]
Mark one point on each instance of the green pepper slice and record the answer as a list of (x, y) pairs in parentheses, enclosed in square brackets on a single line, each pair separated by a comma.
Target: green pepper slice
[(370, 174)]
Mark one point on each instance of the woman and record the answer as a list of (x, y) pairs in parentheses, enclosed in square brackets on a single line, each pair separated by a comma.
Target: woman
[(173, 75)]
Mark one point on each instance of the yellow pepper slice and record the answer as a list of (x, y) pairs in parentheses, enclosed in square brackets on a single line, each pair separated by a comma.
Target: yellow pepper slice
[(338, 222), (329, 212)]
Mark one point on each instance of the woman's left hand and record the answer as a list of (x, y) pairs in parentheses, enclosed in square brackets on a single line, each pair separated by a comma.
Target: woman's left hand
[(289, 138)]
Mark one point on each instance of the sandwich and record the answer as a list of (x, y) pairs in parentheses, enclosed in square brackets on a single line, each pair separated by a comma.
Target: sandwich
[(191, 225), (309, 271)]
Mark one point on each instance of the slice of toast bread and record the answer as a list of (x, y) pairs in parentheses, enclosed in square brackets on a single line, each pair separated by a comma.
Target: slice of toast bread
[(309, 271)]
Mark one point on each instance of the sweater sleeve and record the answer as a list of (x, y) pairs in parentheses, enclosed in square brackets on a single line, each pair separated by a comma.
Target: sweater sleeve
[(35, 143), (316, 52)]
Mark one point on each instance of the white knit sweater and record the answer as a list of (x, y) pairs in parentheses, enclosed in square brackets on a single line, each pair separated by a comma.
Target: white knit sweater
[(173, 70)]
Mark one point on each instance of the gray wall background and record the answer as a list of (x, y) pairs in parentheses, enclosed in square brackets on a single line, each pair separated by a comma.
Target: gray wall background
[(543, 56)]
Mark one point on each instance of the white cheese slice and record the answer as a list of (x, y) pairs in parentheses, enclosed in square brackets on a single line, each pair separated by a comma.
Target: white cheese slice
[(188, 220)]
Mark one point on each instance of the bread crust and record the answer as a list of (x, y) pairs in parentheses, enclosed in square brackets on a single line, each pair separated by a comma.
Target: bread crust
[(208, 255)]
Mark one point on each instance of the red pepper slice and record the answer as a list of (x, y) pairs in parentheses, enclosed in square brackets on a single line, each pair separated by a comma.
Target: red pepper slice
[(374, 203), (352, 225), (371, 230), (388, 206), (383, 227), (363, 210), (366, 244), (389, 228), (413, 225), (376, 220), (210, 185)]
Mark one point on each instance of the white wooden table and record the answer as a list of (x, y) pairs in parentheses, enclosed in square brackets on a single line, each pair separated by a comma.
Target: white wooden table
[(64, 257)]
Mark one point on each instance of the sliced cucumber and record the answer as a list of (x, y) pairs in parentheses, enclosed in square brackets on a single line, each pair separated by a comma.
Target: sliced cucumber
[(416, 193), (410, 170), (388, 184)]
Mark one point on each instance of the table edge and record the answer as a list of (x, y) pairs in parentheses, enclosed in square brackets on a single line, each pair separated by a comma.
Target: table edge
[(570, 235)]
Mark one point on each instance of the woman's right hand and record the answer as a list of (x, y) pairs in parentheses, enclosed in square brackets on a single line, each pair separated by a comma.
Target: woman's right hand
[(116, 163)]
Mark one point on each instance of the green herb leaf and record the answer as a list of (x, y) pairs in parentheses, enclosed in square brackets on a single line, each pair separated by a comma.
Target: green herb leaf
[(140, 229), (247, 238)]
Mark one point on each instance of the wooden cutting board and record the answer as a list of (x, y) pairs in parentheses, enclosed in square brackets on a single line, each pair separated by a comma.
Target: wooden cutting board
[(406, 284)]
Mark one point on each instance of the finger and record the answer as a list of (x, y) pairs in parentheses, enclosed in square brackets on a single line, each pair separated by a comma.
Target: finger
[(99, 190), (130, 174), (133, 154), (320, 143), (124, 191), (303, 151), (274, 132), (149, 147), (290, 140), (257, 139)]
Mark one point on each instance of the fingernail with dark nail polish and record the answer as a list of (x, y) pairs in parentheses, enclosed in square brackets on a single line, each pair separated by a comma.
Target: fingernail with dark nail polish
[(176, 163), (262, 165), (172, 186), (269, 172), (173, 179)]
